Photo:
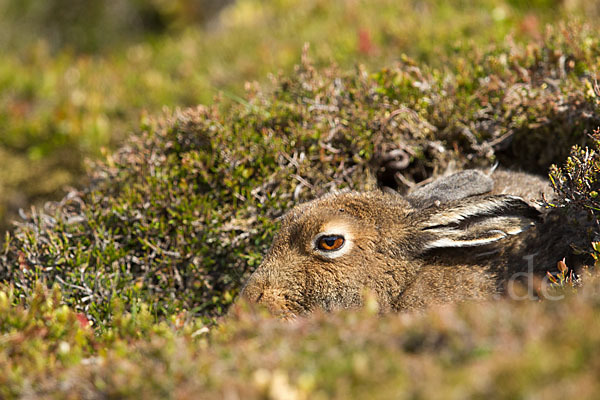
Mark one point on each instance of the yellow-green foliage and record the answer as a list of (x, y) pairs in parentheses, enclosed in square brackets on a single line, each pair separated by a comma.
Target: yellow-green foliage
[(577, 183), (496, 349), (58, 105)]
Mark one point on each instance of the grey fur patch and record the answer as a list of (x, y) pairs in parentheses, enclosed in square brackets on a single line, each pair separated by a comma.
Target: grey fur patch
[(457, 186)]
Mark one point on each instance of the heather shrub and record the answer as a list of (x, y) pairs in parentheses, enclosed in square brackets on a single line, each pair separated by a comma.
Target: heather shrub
[(577, 184), (180, 215), (75, 78)]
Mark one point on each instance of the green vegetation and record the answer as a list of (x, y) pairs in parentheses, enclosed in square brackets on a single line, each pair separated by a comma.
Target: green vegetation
[(60, 102), (578, 181), (484, 350), (120, 288), (181, 214)]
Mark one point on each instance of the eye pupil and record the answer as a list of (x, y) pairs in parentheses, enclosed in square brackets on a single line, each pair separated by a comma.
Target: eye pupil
[(331, 242)]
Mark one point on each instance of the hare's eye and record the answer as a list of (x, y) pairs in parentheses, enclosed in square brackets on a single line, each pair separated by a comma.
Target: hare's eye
[(330, 242)]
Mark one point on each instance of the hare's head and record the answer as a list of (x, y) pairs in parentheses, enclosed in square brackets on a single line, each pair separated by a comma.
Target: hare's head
[(329, 250)]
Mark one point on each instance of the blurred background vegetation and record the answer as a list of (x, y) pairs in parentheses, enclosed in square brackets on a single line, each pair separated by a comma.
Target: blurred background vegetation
[(77, 77)]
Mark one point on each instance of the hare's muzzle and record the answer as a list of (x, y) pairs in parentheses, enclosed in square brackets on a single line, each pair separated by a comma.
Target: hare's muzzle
[(257, 291), (278, 299), (253, 291)]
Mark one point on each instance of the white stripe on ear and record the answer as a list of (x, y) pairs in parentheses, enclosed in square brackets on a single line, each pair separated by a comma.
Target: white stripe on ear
[(488, 206), (448, 242), (478, 222), (486, 238)]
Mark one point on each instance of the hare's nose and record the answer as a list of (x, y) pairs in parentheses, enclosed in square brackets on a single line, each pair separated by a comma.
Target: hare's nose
[(253, 296), (253, 292), (259, 292), (257, 289)]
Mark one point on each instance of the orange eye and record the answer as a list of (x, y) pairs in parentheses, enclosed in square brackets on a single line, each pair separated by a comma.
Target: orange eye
[(330, 242)]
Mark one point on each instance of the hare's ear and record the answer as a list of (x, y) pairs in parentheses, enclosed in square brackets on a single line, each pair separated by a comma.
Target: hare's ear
[(475, 221), (457, 186)]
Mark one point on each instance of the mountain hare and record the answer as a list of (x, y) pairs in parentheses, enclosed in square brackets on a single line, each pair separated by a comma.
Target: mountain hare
[(460, 237)]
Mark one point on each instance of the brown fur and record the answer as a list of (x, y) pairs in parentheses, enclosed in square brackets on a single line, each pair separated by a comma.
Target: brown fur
[(408, 251)]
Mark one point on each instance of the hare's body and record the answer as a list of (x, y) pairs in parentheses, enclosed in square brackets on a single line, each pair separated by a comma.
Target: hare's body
[(461, 237)]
